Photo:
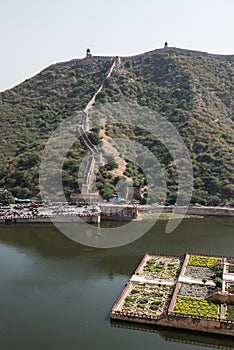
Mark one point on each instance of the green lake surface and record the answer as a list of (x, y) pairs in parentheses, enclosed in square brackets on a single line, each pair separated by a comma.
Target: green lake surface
[(57, 294)]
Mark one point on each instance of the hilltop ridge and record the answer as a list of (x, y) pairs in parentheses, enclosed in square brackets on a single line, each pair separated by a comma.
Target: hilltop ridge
[(175, 50), (159, 51), (193, 90)]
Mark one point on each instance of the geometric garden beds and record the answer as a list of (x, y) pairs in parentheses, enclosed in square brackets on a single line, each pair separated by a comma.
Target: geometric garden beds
[(163, 286), (196, 307), (196, 291), (147, 299)]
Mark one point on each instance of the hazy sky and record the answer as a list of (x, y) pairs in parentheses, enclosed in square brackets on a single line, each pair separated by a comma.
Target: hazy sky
[(37, 33)]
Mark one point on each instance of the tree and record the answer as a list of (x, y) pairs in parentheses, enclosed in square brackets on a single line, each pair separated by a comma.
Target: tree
[(107, 191), (218, 282), (213, 185), (214, 200), (94, 138), (111, 164), (6, 197)]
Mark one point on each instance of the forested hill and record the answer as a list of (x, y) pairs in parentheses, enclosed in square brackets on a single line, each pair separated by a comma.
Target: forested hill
[(193, 90)]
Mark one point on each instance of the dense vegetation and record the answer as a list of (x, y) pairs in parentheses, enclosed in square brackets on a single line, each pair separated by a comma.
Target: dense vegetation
[(196, 307), (195, 92)]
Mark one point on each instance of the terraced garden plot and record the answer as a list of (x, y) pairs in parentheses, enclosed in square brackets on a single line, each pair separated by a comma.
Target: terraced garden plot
[(196, 307), (196, 291), (230, 313), (203, 261), (200, 272), (147, 299), (161, 267)]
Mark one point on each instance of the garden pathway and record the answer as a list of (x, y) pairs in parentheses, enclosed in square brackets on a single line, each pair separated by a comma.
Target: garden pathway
[(190, 280), (228, 277), (141, 279)]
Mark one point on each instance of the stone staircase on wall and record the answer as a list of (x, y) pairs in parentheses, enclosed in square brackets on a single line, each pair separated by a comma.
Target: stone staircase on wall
[(96, 156)]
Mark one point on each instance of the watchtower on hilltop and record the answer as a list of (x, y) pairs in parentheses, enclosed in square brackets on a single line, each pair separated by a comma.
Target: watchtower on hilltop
[(88, 53)]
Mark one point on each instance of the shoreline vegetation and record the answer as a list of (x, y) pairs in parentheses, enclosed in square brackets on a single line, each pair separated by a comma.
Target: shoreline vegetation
[(167, 216)]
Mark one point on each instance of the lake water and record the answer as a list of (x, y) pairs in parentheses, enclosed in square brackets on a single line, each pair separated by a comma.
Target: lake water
[(57, 294)]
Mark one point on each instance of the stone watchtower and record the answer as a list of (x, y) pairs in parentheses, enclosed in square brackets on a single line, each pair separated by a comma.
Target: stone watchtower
[(88, 53), (117, 60)]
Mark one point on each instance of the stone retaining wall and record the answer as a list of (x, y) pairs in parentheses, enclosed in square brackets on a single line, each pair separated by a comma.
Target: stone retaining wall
[(47, 219), (208, 325)]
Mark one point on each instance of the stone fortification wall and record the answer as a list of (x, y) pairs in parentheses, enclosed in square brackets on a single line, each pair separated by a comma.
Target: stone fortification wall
[(74, 62)]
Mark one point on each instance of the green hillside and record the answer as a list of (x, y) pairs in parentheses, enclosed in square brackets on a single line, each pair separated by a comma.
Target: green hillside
[(194, 91)]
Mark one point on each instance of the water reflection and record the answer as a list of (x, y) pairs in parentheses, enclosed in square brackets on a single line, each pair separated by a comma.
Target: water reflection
[(179, 336), (210, 236)]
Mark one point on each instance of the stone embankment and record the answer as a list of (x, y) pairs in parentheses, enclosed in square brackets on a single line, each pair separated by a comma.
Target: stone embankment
[(211, 211), (94, 218), (191, 210)]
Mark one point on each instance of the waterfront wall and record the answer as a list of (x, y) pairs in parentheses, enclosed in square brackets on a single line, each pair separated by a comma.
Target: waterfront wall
[(48, 219), (122, 213), (207, 325), (118, 213), (202, 324), (210, 211), (202, 211)]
